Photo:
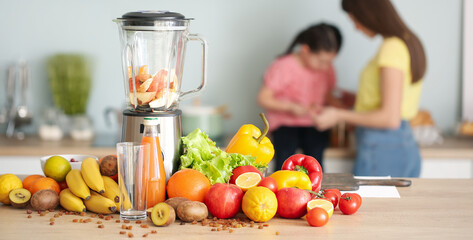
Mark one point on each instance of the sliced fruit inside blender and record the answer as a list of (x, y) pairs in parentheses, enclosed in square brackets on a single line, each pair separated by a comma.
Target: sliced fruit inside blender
[(153, 91)]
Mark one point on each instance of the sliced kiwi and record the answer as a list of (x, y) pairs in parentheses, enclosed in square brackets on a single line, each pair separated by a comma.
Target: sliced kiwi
[(19, 197), (148, 212), (163, 214)]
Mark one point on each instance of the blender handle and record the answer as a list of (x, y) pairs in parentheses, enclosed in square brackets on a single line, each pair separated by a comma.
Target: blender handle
[(197, 37)]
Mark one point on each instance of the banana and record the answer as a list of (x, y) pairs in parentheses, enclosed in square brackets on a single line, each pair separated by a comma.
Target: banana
[(76, 184), (124, 198), (71, 202), (100, 204), (90, 171), (111, 191)]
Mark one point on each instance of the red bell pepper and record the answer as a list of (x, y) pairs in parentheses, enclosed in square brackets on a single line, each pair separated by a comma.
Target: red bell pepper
[(307, 164)]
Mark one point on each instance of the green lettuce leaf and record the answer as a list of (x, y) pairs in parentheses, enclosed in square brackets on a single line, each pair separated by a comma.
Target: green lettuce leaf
[(201, 154)]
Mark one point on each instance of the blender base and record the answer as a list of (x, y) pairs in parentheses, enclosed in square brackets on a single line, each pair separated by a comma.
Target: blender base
[(169, 129)]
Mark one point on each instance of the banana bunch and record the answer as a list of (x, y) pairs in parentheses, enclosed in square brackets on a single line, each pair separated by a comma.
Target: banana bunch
[(89, 190)]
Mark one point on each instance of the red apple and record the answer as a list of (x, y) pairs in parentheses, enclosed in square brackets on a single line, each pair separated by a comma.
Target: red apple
[(292, 202), (63, 185), (270, 183), (224, 200), (243, 169)]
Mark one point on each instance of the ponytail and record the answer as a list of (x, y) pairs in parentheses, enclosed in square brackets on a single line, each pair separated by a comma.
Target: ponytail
[(295, 42), (318, 37)]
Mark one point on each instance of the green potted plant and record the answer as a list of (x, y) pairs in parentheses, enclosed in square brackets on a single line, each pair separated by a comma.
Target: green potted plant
[(70, 81)]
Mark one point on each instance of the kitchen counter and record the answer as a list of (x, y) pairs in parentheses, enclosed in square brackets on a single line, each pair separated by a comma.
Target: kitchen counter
[(33, 146), (426, 210)]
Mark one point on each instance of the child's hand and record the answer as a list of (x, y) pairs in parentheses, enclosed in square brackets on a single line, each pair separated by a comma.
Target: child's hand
[(325, 119), (297, 109)]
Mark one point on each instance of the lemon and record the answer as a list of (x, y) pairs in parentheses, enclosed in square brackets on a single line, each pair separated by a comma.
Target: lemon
[(321, 203), (259, 204), (248, 180), (57, 167), (8, 182)]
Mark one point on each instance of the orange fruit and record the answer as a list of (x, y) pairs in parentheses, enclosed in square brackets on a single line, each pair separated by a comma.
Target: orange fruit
[(45, 183), (188, 183), (321, 203), (259, 204), (248, 180), (28, 181)]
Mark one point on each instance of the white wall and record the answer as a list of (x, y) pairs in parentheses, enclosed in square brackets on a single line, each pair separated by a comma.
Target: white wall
[(244, 37)]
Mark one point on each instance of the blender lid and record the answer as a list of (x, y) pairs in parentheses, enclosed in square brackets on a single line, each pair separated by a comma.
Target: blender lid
[(142, 20), (152, 15)]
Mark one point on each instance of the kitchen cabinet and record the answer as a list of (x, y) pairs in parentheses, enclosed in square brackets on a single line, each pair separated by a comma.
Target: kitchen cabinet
[(424, 211)]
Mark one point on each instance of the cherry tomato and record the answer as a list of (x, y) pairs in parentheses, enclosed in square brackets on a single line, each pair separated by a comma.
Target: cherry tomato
[(336, 191), (317, 217), (332, 197), (270, 183), (350, 203)]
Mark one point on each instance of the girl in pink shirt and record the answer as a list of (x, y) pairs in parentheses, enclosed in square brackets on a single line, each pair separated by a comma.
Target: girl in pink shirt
[(296, 83)]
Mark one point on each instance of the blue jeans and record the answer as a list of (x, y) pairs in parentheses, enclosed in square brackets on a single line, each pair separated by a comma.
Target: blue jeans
[(383, 152)]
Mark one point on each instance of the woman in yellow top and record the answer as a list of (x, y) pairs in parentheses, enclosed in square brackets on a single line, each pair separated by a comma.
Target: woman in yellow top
[(388, 94)]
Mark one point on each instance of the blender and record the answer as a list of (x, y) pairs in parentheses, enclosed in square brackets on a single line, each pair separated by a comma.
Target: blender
[(153, 45)]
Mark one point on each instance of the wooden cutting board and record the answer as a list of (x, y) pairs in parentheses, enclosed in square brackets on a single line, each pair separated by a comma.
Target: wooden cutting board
[(347, 182)]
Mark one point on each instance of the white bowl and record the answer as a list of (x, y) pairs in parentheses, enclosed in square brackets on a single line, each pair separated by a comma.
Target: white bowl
[(78, 158)]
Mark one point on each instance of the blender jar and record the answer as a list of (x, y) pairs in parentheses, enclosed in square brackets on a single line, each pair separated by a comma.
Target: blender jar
[(153, 50)]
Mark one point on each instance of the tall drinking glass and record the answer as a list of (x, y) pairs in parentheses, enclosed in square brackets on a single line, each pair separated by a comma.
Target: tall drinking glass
[(133, 160)]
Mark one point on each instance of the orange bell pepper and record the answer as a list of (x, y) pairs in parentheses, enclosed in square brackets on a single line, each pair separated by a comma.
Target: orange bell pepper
[(249, 141)]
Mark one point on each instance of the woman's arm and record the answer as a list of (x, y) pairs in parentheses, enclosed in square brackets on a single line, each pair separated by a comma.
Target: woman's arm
[(387, 116), (267, 100)]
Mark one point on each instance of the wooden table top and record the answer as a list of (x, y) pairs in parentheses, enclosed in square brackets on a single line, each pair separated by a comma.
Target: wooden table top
[(429, 209)]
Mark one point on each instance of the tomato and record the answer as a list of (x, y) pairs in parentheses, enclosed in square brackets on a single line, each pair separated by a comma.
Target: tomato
[(270, 183), (317, 217), (336, 191), (350, 203), (332, 197)]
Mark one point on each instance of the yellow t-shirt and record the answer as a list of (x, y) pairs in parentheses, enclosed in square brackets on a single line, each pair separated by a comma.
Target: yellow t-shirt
[(393, 53)]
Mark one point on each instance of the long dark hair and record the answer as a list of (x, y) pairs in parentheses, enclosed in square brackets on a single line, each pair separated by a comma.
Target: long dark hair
[(318, 37), (380, 17)]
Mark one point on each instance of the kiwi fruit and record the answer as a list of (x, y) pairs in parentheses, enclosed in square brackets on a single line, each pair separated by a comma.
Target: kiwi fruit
[(190, 211), (163, 214), (176, 201), (108, 165), (148, 212), (19, 198), (44, 200)]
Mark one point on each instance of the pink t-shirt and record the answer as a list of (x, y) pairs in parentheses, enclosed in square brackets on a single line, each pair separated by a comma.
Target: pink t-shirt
[(290, 81)]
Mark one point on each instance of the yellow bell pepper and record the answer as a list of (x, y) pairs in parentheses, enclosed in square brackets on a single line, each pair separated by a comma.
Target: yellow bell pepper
[(288, 178), (249, 141)]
